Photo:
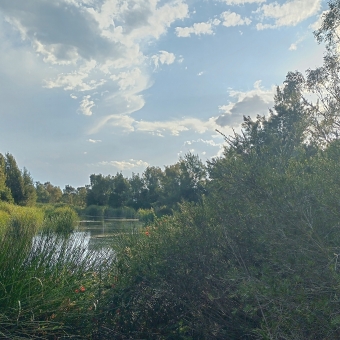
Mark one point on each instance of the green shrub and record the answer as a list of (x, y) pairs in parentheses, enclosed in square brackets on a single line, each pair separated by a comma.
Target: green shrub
[(61, 220), (146, 215), (20, 220), (123, 212), (94, 212)]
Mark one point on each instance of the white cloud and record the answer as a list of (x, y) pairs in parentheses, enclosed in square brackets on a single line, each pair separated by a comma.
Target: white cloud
[(233, 19), (290, 13), (200, 140), (86, 105), (75, 80), (293, 47), (175, 127), (260, 26), (242, 2), (199, 28), (94, 140), (128, 79), (100, 44), (126, 165), (163, 57), (200, 73), (248, 103)]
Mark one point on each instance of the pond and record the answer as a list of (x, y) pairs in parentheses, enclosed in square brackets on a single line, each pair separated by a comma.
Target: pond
[(102, 232), (92, 240)]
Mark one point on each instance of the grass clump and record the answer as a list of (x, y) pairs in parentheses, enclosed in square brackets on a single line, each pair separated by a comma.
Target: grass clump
[(20, 220), (50, 286), (61, 220)]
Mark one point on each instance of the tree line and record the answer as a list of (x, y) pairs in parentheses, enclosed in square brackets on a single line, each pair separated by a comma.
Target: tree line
[(159, 189)]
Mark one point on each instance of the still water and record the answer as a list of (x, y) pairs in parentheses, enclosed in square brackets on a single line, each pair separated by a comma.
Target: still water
[(101, 233), (92, 240)]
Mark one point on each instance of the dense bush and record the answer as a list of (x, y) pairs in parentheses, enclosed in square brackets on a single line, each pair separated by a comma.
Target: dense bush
[(94, 212), (123, 212), (20, 220), (61, 220), (146, 215)]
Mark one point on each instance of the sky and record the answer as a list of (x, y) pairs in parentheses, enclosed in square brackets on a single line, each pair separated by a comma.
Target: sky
[(107, 86)]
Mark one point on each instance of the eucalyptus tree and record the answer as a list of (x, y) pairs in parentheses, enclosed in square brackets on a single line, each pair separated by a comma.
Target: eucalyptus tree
[(5, 193), (14, 179)]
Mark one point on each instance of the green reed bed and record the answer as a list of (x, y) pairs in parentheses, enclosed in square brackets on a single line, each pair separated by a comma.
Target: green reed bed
[(50, 285)]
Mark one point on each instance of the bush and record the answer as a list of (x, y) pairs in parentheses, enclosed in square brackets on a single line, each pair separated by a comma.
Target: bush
[(146, 215), (61, 220), (94, 212), (123, 212), (20, 220)]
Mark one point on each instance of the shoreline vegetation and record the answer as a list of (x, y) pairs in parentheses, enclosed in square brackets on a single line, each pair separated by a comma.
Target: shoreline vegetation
[(244, 247)]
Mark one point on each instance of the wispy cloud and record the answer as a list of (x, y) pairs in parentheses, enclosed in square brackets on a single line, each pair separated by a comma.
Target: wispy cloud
[(242, 2), (86, 106), (125, 165), (94, 140), (199, 28), (163, 57), (288, 14), (230, 19)]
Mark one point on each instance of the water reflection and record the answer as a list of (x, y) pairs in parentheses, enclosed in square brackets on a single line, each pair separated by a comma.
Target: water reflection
[(102, 232)]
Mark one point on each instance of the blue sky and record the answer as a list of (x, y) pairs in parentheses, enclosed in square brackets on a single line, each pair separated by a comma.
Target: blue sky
[(103, 86)]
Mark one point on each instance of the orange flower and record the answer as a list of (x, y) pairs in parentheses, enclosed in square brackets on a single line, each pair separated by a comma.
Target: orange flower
[(82, 289), (77, 290), (147, 233)]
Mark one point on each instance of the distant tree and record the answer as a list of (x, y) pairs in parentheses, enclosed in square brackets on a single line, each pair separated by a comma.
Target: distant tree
[(30, 194), (193, 177), (69, 194), (14, 180), (55, 193), (99, 190), (138, 193), (120, 191), (48, 193), (80, 198), (152, 177), (5, 192)]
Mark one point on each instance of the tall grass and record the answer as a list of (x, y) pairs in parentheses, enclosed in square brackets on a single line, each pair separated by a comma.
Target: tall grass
[(20, 220), (50, 284), (61, 220)]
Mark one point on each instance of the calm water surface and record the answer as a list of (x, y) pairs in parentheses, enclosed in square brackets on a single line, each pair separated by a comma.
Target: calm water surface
[(102, 232)]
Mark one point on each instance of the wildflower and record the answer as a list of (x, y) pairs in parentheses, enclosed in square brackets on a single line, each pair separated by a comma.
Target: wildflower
[(82, 289), (147, 233), (77, 291)]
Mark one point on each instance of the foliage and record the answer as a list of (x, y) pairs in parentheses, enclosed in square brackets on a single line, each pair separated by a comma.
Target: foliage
[(20, 220), (48, 193), (61, 220), (123, 212), (146, 215), (50, 287)]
